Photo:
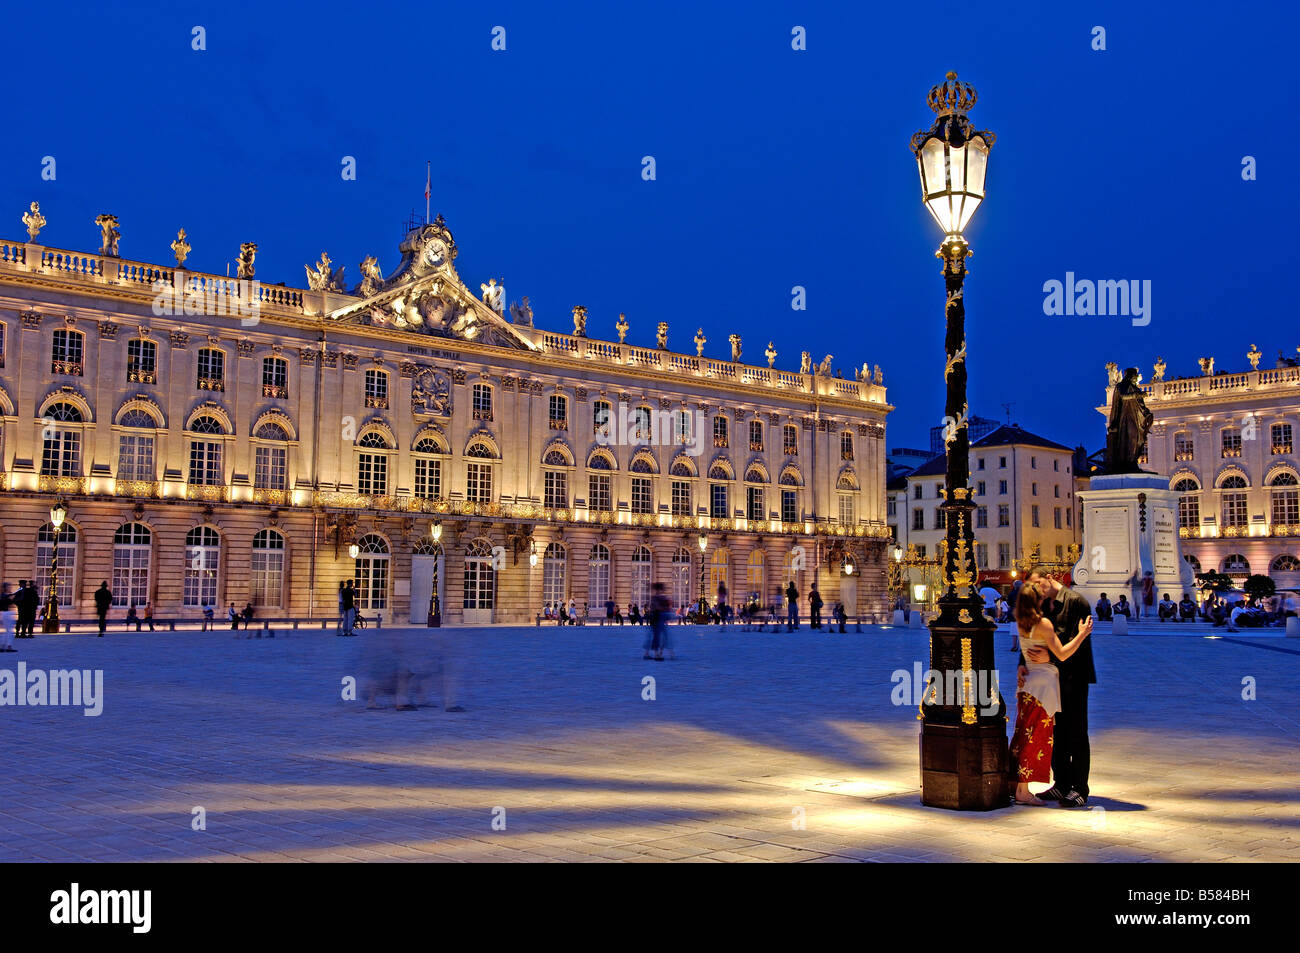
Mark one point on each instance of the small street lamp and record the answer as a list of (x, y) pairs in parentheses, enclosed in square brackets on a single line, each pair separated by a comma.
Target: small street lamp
[(58, 512), (704, 544), (354, 550), (435, 610), (964, 759)]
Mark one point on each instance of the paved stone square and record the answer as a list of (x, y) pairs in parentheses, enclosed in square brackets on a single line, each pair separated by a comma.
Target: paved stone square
[(756, 747)]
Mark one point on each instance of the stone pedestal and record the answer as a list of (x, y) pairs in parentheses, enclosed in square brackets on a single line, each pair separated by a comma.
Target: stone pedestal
[(1130, 528)]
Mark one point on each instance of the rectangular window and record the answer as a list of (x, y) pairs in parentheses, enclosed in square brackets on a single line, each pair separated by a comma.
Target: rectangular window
[(1069, 514), (1033, 515), (1004, 555), (598, 494), (428, 479), (1234, 510), (271, 468), (1281, 434), (556, 489), (981, 464), (981, 517), (918, 491), (1189, 511), (372, 474), (940, 518), (980, 489), (1002, 463), (1002, 487), (1033, 489), (212, 369), (141, 361), (720, 431), (789, 506), (267, 576), (846, 446), (61, 454), (641, 423), (478, 483), (1056, 491), (754, 504), (205, 463), (600, 417), (1184, 447), (982, 555), (1286, 507), (275, 377), (377, 389), (1060, 552), (790, 440), (891, 507), (642, 495), (756, 436), (1056, 517), (135, 457), (1004, 515), (718, 501), (66, 353), (558, 412), (918, 518), (681, 426), (481, 402), (847, 517), (1231, 442), (1033, 463), (681, 498)]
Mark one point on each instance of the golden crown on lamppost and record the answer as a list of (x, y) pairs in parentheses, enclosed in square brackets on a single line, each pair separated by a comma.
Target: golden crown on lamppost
[(950, 96)]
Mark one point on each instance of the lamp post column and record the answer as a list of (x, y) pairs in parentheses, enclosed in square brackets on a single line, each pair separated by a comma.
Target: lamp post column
[(51, 623)]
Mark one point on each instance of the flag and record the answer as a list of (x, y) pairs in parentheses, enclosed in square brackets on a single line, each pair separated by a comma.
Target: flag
[(428, 180)]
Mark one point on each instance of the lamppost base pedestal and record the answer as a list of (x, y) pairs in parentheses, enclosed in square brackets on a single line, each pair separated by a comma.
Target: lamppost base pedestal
[(965, 767)]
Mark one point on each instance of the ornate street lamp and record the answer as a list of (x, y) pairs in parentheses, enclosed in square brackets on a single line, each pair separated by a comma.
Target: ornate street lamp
[(964, 759), (58, 512), (435, 610), (704, 544)]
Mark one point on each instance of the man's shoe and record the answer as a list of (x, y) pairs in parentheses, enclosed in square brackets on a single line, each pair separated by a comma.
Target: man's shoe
[(1074, 799), (1051, 794)]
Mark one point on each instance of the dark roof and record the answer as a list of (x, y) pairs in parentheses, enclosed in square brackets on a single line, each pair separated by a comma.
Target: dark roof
[(1004, 436), (898, 482)]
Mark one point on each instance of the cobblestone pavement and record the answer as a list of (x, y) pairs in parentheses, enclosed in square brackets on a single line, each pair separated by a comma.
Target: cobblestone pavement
[(756, 747)]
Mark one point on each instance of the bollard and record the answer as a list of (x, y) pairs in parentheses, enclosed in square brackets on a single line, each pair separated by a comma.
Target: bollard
[(916, 619), (898, 618), (1293, 627), (171, 626), (322, 625), (295, 624), (379, 620), (1119, 625)]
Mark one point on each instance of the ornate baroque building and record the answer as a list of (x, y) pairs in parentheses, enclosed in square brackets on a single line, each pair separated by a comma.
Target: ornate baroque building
[(217, 440), (1226, 441)]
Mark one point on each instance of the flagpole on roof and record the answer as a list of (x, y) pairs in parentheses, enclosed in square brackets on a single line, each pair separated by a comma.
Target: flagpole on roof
[(428, 172)]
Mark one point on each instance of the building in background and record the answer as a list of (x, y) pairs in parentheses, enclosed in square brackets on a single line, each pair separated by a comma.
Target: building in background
[(977, 426), (903, 460), (1023, 486), (1226, 441), (222, 441)]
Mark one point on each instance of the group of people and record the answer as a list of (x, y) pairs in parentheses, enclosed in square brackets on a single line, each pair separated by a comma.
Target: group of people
[(19, 613), (564, 613)]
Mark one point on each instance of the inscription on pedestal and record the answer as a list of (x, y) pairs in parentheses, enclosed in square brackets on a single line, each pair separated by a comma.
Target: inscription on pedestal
[(1110, 531), (1165, 543)]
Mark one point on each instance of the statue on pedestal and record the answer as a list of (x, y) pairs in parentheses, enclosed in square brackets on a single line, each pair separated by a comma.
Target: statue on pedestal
[(372, 278), (700, 341), (662, 340), (735, 348), (621, 327), (579, 321), (180, 248), (34, 221), (770, 354), (245, 264), (1159, 369), (109, 233), (1128, 424)]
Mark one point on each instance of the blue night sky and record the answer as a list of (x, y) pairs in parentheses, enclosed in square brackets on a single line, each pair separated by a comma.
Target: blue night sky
[(775, 168)]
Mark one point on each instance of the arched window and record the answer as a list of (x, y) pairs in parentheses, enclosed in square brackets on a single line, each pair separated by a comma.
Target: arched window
[(61, 446), (554, 573), (1283, 563), (371, 572), (1193, 562), (1236, 565), (268, 568), (555, 458), (478, 476), (555, 482), (680, 578), (132, 548), (681, 469), (271, 463), (642, 464), (1233, 503), (598, 591), (202, 561), (66, 352), (67, 561), (641, 576), (480, 582), (137, 418), (206, 467), (428, 469), (1233, 482), (372, 468)]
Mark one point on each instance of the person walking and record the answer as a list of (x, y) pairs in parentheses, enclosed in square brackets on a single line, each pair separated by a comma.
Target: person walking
[(791, 607), (722, 602), (1148, 595), (8, 621), (207, 616), (103, 599), (815, 608), (1071, 752), (148, 614), (233, 613), (658, 619)]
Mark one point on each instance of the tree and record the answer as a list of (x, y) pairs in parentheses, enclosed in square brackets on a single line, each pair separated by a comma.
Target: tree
[(1259, 587)]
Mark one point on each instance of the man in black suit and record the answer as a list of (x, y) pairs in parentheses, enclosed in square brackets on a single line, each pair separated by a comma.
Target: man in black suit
[(1071, 754), (103, 599), (27, 600)]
